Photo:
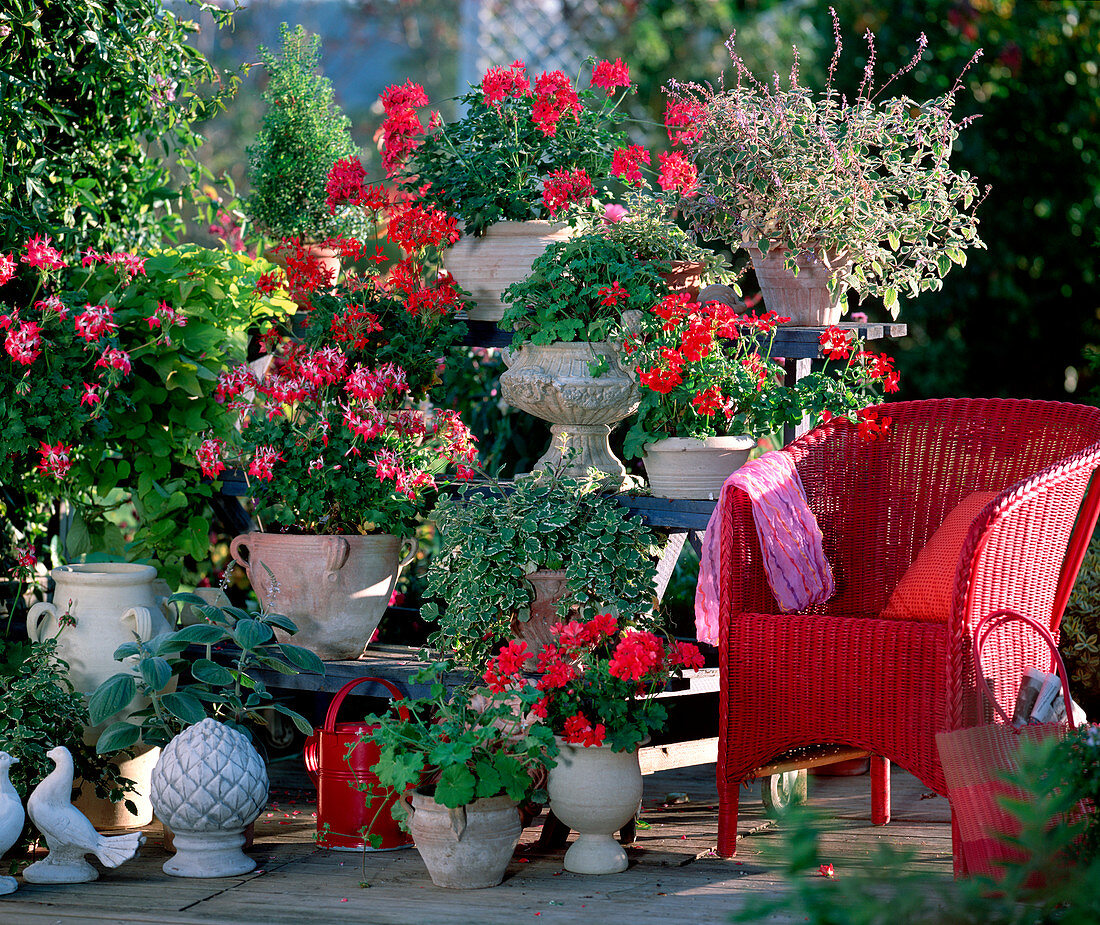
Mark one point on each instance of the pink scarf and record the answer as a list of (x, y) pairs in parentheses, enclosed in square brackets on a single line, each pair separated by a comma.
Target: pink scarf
[(790, 541)]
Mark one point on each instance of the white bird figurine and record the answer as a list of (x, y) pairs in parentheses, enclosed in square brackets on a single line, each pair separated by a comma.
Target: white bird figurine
[(11, 818), (68, 833)]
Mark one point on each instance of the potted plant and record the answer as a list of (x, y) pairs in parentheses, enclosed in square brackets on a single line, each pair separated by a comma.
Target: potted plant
[(565, 366), (468, 759), (521, 150), (209, 783), (710, 390), (595, 692), (514, 560), (303, 133), (341, 452), (826, 192)]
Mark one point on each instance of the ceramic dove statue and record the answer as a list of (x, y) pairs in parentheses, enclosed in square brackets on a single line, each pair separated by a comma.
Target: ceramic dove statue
[(11, 818), (69, 835)]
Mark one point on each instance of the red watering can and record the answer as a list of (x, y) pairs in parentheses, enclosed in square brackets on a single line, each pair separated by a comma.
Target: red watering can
[(344, 812)]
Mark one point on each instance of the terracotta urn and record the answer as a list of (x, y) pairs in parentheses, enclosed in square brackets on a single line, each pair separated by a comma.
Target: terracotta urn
[(466, 848), (688, 468), (549, 587), (334, 588), (208, 786), (486, 266), (804, 298), (595, 791), (553, 382), (328, 258)]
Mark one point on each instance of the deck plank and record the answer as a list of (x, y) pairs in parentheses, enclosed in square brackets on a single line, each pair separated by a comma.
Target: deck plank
[(673, 873)]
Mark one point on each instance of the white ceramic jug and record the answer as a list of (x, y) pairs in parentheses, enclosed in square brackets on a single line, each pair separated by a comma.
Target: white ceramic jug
[(110, 602)]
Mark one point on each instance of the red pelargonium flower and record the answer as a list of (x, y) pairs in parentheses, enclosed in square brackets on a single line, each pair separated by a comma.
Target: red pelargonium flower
[(512, 658), (612, 295), (626, 163), (41, 255), (414, 227), (680, 115), (233, 382), (757, 368), (661, 379), (827, 871), (556, 675), (94, 322), (344, 183), (501, 82), (601, 626), (91, 394), (364, 421), (24, 343), (565, 187), (7, 268), (555, 97), (609, 75), (673, 308), (686, 654), (571, 635), (209, 457), (637, 654), (401, 125), (836, 342), (870, 426), (677, 173), (708, 401), (578, 730), (25, 557), (54, 459), (697, 341), (263, 462)]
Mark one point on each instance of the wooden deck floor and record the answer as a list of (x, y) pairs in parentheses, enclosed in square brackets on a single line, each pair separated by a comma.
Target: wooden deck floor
[(674, 875)]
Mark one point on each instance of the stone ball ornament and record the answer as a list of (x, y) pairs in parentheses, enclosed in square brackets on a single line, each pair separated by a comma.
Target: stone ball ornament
[(208, 786)]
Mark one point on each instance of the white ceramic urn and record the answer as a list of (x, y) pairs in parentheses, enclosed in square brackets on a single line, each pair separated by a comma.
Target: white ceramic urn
[(595, 791), (208, 787)]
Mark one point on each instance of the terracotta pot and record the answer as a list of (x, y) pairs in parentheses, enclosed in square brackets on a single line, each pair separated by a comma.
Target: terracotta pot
[(805, 298), (467, 848), (488, 265), (334, 588), (549, 587), (553, 382), (685, 276), (688, 468), (595, 792), (208, 785)]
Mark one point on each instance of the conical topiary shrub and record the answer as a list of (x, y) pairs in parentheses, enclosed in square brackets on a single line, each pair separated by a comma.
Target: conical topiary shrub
[(303, 134)]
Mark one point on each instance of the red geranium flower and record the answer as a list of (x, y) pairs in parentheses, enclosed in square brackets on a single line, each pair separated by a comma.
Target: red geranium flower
[(609, 75)]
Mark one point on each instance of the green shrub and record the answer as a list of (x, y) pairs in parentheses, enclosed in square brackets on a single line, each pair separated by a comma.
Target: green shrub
[(303, 134), (1080, 638), (97, 104)]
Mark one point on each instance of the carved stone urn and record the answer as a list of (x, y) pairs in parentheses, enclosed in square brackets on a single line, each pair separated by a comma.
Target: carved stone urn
[(554, 382)]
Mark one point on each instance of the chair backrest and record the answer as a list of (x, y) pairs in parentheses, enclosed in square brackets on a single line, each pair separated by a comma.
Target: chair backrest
[(879, 500)]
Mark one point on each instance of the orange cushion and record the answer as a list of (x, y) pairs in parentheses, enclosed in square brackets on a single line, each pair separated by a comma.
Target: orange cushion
[(925, 590)]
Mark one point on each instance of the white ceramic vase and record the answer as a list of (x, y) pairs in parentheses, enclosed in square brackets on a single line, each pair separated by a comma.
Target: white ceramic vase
[(488, 265), (687, 468), (334, 588), (110, 602), (553, 382), (468, 847), (595, 792), (208, 787)]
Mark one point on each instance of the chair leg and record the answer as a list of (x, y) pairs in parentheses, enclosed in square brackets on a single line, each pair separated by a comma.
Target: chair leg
[(880, 790), (961, 869), (728, 795)]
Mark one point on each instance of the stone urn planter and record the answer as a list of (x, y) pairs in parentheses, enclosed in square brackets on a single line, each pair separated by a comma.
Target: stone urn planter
[(466, 848), (208, 786), (595, 792), (692, 469), (805, 298), (110, 602), (334, 588), (488, 265), (553, 382)]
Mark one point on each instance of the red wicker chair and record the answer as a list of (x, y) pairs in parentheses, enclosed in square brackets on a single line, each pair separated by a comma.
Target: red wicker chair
[(839, 672)]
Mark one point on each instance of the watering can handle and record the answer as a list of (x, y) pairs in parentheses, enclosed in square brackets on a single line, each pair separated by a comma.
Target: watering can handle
[(309, 754), (334, 707)]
